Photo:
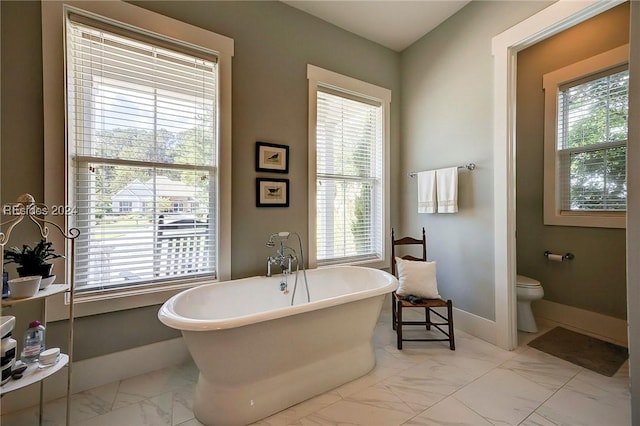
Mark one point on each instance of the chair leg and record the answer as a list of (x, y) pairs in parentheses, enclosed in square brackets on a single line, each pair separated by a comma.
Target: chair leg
[(399, 326), (452, 342), (427, 317), (393, 312)]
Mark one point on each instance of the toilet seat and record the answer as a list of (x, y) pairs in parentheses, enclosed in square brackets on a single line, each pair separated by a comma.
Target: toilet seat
[(526, 282)]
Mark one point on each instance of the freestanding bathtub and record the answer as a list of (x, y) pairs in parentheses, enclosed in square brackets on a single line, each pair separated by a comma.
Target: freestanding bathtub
[(258, 355)]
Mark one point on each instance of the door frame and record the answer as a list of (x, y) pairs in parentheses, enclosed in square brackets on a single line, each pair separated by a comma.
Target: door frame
[(505, 47)]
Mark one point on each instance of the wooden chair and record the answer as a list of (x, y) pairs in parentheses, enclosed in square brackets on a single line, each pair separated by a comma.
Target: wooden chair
[(399, 303)]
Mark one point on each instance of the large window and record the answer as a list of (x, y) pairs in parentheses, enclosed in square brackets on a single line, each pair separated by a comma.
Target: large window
[(147, 103), (349, 144), (589, 142)]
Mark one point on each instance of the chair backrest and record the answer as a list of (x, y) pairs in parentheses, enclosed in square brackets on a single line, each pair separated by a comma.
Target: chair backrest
[(407, 241)]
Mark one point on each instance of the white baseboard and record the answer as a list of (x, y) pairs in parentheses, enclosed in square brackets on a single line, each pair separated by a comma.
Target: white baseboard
[(479, 327), (98, 371), (607, 328)]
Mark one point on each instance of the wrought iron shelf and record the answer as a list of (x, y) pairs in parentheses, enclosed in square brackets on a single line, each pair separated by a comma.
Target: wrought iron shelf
[(49, 291), (27, 208), (34, 374)]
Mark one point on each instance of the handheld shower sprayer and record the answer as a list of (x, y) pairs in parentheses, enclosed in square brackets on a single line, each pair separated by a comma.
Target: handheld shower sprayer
[(280, 236)]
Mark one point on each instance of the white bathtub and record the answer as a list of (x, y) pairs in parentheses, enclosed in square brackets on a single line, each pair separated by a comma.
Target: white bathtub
[(258, 355)]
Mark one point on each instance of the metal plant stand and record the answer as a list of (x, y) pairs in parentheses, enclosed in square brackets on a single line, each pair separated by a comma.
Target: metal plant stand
[(26, 207)]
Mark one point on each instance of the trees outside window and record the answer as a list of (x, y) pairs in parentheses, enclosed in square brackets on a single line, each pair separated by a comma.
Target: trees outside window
[(349, 145), (585, 142), (142, 125)]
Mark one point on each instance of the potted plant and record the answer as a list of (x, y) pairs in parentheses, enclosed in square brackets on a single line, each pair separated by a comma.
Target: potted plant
[(32, 260)]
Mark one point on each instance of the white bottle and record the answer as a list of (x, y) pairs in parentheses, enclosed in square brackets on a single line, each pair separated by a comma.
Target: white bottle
[(33, 342), (8, 350)]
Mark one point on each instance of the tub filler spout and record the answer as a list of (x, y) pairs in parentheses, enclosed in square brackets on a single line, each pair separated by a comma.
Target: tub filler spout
[(285, 258)]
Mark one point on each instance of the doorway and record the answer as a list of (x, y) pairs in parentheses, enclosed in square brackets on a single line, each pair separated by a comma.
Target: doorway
[(586, 293), (550, 21), (555, 18)]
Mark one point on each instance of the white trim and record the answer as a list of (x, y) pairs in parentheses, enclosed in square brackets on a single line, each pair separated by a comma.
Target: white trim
[(633, 211), (555, 18), (312, 166), (467, 322), (342, 82), (154, 23), (316, 76), (55, 157), (551, 83), (224, 167), (475, 325), (591, 323), (605, 60), (93, 372), (58, 305)]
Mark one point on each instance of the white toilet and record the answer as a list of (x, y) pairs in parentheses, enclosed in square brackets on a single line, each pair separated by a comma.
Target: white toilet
[(527, 290)]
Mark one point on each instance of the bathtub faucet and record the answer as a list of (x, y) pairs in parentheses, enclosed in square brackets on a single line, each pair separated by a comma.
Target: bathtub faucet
[(285, 261), (282, 259)]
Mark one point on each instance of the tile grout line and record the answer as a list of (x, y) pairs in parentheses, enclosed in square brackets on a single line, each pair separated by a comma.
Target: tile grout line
[(452, 395), (580, 370), (492, 370)]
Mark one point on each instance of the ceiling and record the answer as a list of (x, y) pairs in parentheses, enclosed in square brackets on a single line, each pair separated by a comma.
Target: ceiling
[(395, 24)]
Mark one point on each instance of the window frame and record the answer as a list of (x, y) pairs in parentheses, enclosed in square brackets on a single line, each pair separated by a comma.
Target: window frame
[(319, 77), (552, 82), (55, 159)]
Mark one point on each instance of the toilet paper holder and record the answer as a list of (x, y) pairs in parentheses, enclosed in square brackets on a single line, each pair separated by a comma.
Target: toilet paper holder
[(566, 256)]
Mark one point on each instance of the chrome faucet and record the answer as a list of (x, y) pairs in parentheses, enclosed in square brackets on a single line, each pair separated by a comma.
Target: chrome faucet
[(285, 258)]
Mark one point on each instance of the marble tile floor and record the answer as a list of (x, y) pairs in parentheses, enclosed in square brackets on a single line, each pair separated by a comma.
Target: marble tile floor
[(424, 384)]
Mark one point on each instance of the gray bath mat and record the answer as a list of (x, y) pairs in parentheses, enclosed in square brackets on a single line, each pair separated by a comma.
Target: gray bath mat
[(586, 351)]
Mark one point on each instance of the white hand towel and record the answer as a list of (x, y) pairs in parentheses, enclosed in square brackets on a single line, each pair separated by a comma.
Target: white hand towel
[(447, 184), (427, 192)]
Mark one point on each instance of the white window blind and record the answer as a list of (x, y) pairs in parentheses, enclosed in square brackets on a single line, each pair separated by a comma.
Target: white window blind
[(143, 166), (592, 142), (349, 173)]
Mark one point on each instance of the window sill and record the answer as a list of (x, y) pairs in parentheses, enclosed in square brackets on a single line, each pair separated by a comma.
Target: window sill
[(368, 263), (587, 219), (88, 305)]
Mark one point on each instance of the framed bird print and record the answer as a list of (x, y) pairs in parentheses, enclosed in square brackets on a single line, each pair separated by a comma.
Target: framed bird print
[(271, 157), (272, 192)]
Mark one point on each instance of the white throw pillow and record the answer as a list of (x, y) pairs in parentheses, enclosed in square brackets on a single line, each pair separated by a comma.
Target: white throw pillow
[(417, 278)]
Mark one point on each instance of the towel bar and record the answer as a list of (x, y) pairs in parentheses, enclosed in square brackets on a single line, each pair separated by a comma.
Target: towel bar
[(469, 166)]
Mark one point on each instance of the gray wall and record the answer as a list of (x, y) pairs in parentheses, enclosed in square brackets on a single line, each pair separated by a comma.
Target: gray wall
[(595, 280), (273, 45), (447, 119)]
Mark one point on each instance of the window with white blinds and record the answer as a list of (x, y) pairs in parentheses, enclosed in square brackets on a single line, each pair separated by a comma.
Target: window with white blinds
[(143, 175), (348, 145), (585, 141), (348, 178), (592, 142)]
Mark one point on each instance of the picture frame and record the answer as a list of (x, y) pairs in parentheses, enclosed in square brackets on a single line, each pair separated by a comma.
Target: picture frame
[(272, 192), (271, 157)]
